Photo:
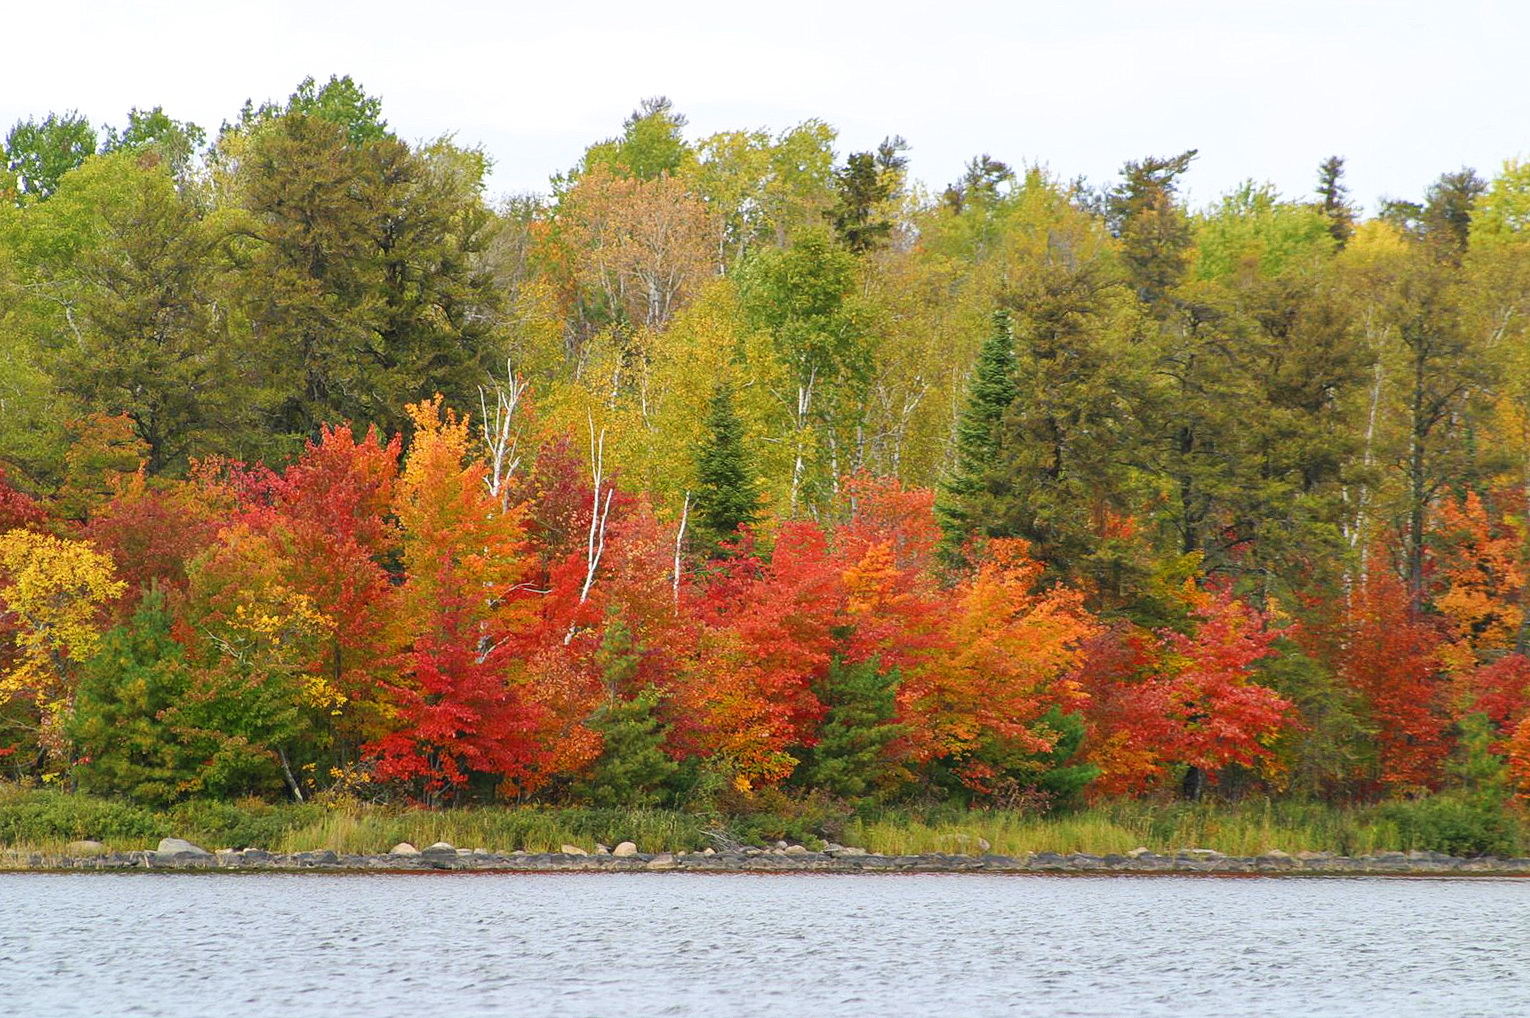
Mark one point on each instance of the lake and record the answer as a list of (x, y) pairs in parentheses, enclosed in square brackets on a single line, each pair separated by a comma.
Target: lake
[(186, 944)]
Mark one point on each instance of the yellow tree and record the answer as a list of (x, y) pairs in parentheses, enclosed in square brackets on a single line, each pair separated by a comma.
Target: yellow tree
[(52, 591)]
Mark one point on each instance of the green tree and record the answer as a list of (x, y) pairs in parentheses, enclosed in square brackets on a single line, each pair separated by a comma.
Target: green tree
[(1155, 232), (356, 276), (124, 744), (727, 488), (862, 189), (803, 299), (964, 502), (132, 269), (979, 185), (1334, 202), (39, 154), (632, 771), (852, 758), (652, 144), (174, 141)]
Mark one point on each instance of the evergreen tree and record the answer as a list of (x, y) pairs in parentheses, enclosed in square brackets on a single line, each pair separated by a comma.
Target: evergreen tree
[(850, 759), (126, 746), (727, 490), (866, 182), (989, 396), (632, 771), (1335, 200), (1156, 235)]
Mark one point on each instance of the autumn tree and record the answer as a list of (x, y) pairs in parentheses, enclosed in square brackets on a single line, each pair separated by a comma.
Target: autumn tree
[(52, 595), (461, 606)]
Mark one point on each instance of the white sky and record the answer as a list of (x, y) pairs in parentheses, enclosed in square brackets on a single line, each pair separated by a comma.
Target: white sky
[(1404, 89)]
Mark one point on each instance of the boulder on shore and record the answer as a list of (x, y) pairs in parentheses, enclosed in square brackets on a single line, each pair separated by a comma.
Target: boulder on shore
[(572, 850), (624, 849), (404, 848), (176, 846)]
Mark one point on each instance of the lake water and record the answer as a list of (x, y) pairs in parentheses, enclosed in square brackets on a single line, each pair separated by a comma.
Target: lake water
[(327, 946)]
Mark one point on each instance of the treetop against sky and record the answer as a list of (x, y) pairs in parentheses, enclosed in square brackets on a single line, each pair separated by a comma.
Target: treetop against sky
[(1264, 89)]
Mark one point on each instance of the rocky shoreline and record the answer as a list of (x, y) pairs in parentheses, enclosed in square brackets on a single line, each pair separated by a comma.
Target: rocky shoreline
[(176, 855)]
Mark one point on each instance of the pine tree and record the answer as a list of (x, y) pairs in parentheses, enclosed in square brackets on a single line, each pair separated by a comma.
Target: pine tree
[(1335, 200), (989, 397), (851, 758), (727, 491), (1156, 236)]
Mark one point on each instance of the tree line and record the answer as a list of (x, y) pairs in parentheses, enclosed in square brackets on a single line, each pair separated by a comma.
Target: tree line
[(731, 464)]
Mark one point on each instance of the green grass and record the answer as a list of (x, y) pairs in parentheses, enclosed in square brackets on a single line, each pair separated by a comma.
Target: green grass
[(44, 820), (1244, 829)]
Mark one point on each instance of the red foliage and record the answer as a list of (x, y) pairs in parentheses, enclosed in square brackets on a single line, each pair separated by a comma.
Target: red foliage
[(18, 510), (1170, 698), (461, 607), (1391, 657)]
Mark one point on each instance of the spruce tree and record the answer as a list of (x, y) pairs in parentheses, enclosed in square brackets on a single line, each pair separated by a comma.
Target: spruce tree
[(990, 394), (727, 492)]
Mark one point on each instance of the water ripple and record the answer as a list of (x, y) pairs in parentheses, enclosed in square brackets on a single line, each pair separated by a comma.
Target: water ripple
[(195, 945)]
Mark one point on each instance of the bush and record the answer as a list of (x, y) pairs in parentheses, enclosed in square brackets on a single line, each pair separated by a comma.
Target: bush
[(1455, 825), (41, 816), (248, 823)]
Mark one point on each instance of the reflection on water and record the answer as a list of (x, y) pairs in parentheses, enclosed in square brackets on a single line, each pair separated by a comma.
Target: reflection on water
[(686, 944)]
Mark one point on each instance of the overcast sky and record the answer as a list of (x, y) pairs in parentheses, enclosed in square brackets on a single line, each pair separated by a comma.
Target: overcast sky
[(1265, 89)]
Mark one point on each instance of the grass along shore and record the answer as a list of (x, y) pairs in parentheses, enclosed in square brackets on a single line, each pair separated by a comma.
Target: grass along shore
[(44, 820)]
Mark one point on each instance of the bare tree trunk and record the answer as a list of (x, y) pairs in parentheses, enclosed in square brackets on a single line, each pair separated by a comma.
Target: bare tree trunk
[(499, 437), (685, 511), (596, 544), (297, 793)]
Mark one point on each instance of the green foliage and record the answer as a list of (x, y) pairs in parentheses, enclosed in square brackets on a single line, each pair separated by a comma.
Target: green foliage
[(851, 759), (652, 143), (133, 261), (990, 394), (340, 101), (344, 102), (1155, 233), (1060, 775), (176, 142), (45, 816), (1252, 228), (632, 771), (727, 492), (1455, 825), (1335, 205), (248, 823), (862, 188), (39, 154), (125, 746)]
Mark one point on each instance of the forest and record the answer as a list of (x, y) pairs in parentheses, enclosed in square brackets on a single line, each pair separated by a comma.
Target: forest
[(738, 467)]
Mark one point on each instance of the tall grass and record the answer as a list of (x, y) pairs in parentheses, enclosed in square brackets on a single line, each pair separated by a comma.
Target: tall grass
[(497, 829), (1242, 829), (44, 820)]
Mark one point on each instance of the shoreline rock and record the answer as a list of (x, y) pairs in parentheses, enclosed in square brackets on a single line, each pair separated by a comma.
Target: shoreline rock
[(445, 858)]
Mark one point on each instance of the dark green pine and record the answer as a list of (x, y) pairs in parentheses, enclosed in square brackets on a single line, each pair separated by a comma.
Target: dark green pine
[(990, 394), (727, 492)]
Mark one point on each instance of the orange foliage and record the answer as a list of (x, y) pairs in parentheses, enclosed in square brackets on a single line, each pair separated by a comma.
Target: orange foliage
[(1013, 654)]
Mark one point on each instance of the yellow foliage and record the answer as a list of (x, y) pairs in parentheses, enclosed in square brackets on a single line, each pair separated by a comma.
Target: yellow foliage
[(52, 590)]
